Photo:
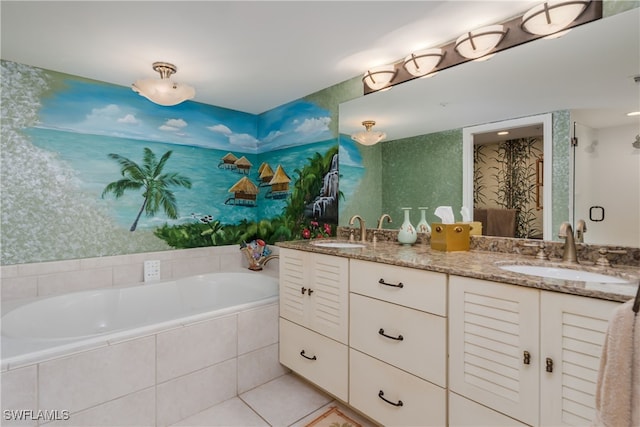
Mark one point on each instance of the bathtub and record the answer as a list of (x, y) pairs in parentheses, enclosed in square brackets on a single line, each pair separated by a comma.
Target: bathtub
[(47, 327)]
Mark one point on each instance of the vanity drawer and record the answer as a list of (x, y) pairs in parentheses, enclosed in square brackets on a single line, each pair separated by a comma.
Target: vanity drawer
[(325, 361), (423, 404), (376, 327), (422, 290)]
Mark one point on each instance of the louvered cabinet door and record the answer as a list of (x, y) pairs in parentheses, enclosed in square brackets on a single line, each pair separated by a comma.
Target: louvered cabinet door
[(329, 300), (292, 281), (573, 330), (493, 346)]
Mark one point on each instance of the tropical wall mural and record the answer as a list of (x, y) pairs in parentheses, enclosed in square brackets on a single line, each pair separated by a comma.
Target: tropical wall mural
[(92, 169)]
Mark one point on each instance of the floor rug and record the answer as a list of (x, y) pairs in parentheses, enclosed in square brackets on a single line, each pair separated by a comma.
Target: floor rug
[(333, 418)]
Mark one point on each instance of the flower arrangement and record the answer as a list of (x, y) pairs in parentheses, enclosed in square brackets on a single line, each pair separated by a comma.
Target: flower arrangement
[(315, 231)]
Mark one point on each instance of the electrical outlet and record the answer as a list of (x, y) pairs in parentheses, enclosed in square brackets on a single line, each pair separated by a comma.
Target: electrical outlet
[(152, 270)]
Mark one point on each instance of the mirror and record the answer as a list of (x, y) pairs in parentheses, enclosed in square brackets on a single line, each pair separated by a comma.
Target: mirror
[(587, 73)]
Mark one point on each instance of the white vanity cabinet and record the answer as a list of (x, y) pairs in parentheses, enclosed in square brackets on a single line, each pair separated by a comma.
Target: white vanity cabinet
[(529, 354), (398, 344), (314, 295)]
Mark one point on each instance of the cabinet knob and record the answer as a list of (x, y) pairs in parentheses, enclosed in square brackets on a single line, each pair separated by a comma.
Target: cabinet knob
[(381, 396), (549, 364), (526, 358), (310, 291), (303, 290)]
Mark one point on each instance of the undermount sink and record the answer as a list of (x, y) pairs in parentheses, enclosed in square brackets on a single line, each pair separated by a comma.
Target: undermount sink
[(563, 273), (338, 245)]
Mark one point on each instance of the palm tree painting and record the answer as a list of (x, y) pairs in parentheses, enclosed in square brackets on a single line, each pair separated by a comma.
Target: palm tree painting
[(152, 180)]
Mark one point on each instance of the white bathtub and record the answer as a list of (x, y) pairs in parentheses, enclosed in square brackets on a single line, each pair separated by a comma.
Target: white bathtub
[(52, 326)]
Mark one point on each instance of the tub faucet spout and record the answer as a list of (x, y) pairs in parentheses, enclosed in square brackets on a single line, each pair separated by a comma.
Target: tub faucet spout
[(256, 264)]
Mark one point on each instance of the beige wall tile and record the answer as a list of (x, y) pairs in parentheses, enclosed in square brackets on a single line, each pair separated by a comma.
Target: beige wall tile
[(257, 328), (259, 367), (19, 287), (86, 379), (19, 392), (193, 347)]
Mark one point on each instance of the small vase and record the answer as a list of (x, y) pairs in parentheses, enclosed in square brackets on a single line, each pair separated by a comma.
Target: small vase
[(423, 225), (407, 234)]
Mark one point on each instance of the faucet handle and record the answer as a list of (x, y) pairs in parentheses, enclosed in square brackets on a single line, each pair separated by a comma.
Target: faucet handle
[(541, 255), (603, 261)]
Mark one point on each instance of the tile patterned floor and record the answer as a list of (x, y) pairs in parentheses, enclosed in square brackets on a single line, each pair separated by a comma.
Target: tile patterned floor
[(286, 401)]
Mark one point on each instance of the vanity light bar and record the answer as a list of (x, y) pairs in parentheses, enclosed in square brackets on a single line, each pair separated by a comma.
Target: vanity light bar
[(514, 36)]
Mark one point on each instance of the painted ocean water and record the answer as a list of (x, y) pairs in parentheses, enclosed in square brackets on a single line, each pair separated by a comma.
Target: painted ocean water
[(87, 156)]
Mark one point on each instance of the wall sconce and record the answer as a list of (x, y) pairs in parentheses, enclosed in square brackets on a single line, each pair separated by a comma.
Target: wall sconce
[(552, 16), (421, 63), (163, 91), (379, 77), (368, 137), (477, 43)]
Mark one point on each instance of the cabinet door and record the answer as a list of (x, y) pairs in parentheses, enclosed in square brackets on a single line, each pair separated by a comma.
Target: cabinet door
[(321, 360), (493, 338), (573, 331), (292, 281), (328, 296), (314, 292), (393, 397), (411, 340)]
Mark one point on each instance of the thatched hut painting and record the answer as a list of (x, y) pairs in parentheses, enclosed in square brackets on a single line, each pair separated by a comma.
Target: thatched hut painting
[(279, 184), (245, 193), (228, 161), (265, 173), (243, 165)]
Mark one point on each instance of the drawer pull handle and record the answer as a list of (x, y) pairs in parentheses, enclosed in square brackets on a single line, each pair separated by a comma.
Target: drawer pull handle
[(307, 357), (399, 285), (381, 396), (398, 338)]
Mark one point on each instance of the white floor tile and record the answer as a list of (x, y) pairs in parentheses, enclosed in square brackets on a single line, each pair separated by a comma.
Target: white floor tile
[(285, 400), (230, 413)]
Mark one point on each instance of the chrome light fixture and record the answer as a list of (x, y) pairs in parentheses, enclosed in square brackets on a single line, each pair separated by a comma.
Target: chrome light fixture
[(163, 91), (368, 136), (379, 77), (552, 16), (478, 43), (421, 63)]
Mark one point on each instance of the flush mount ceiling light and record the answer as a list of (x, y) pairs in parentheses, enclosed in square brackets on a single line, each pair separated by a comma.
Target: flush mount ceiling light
[(552, 16), (163, 91), (421, 63), (379, 77), (477, 43), (368, 137)]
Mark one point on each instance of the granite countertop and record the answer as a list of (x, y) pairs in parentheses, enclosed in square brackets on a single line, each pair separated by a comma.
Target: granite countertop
[(482, 265)]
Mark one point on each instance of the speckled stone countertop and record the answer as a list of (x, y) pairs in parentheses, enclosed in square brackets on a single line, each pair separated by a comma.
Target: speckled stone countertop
[(481, 265)]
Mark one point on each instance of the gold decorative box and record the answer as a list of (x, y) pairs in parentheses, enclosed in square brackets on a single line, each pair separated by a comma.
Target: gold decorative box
[(450, 237), (475, 227)]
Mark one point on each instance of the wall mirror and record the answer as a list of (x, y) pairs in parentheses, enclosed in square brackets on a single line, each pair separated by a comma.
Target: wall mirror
[(585, 78)]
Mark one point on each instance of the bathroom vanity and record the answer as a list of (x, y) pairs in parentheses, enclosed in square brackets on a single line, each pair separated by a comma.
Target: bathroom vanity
[(411, 336)]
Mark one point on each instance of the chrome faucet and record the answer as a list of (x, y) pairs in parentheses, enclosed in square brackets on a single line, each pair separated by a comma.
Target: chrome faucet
[(581, 228), (569, 254), (363, 230), (380, 221)]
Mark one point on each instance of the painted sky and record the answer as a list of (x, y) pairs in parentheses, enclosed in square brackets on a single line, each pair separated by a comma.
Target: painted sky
[(85, 106)]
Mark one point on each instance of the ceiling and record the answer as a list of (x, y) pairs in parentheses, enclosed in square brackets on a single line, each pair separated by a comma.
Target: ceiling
[(250, 56)]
